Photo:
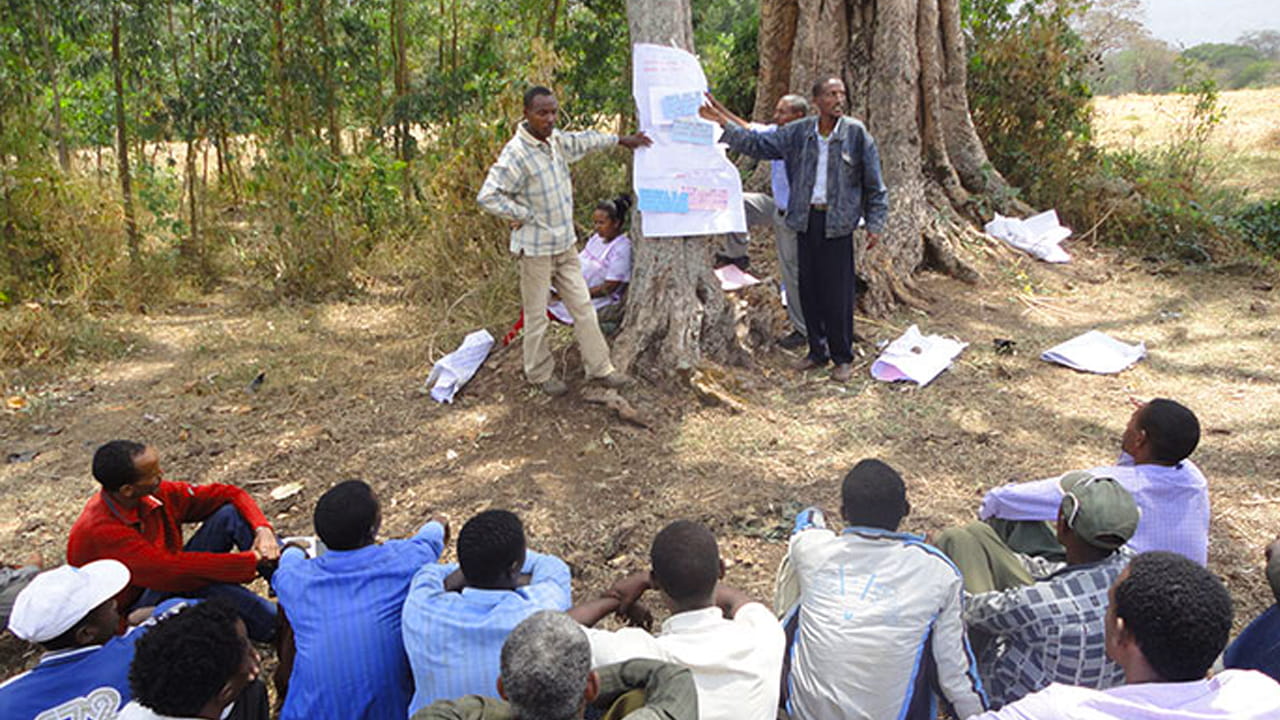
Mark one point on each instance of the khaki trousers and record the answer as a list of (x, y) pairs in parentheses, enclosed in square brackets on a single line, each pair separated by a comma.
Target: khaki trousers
[(537, 274)]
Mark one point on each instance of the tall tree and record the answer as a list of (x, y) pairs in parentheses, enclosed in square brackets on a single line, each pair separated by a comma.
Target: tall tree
[(122, 139), (904, 64), (676, 314)]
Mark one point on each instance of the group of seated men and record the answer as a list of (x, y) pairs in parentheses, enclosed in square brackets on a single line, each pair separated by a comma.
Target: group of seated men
[(1083, 595)]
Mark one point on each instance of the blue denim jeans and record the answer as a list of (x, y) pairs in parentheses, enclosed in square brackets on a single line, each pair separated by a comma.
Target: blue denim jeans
[(220, 532)]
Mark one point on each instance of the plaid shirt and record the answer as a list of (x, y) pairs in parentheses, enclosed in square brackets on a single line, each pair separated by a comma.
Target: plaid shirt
[(1052, 631), (530, 184)]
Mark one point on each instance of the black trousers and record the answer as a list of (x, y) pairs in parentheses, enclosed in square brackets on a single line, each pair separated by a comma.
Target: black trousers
[(826, 290)]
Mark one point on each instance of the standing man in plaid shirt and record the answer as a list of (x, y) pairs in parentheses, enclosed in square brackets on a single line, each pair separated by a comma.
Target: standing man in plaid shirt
[(530, 187)]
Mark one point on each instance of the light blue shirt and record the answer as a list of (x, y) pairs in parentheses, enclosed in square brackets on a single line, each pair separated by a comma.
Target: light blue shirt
[(454, 639), (1173, 503), (344, 607), (820, 177), (777, 173)]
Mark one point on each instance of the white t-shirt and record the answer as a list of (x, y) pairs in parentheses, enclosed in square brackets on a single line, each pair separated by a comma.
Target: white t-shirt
[(736, 663), (601, 262), (1229, 695)]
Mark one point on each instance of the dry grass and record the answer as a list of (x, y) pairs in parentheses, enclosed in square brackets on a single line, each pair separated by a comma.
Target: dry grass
[(1247, 141), (342, 399)]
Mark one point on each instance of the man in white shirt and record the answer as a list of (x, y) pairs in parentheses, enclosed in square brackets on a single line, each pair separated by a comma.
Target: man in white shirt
[(1167, 620), (879, 612), (733, 645), (1154, 466)]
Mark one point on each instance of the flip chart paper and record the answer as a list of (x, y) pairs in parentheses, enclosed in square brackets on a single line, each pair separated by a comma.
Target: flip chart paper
[(684, 181)]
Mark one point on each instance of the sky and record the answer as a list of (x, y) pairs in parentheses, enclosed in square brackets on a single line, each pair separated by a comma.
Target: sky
[(1191, 22)]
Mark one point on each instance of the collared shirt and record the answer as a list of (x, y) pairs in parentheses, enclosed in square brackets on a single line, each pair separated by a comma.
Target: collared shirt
[(344, 608), (148, 538), (777, 172), (454, 639), (530, 184), (88, 682), (736, 663), (601, 262), (1173, 502), (819, 196), (1229, 695), (1047, 632), (669, 694), (855, 190), (876, 608)]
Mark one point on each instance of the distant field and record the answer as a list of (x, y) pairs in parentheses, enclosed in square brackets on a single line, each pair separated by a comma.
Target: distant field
[(1247, 140)]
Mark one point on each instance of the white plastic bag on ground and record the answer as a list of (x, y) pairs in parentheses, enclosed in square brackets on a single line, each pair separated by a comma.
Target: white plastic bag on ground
[(1095, 352), (453, 371), (915, 357), (1039, 235)]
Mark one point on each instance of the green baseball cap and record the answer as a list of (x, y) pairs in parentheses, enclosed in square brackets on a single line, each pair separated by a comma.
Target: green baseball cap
[(1099, 509)]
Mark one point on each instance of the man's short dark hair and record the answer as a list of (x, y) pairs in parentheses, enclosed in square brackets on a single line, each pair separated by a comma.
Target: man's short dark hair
[(1172, 429), (182, 663), (113, 463), (821, 83), (1179, 614), (489, 545), (535, 92), (873, 495), (686, 560), (346, 514)]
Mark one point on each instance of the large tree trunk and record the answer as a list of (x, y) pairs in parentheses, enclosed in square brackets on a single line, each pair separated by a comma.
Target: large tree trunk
[(904, 64), (776, 40), (677, 316)]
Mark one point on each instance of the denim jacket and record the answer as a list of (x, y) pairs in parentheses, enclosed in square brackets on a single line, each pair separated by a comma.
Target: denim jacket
[(854, 186)]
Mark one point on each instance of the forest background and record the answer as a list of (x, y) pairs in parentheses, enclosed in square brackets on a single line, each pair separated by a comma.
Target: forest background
[(151, 150)]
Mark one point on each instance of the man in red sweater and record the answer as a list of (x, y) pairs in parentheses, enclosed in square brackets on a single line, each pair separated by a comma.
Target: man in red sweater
[(137, 519)]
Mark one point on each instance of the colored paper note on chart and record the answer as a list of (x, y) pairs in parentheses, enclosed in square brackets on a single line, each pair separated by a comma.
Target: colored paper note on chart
[(663, 201), (714, 199), (694, 132), (680, 105)]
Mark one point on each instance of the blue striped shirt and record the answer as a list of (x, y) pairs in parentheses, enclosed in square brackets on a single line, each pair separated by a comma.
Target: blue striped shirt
[(344, 607), (454, 639)]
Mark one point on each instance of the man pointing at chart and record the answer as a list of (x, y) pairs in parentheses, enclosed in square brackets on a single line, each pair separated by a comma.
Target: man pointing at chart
[(529, 186), (833, 169)]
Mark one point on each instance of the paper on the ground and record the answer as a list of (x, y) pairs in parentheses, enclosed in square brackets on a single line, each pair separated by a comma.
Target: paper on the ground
[(684, 182), (312, 545), (1095, 352), (1039, 235), (453, 371), (916, 357), (732, 278)]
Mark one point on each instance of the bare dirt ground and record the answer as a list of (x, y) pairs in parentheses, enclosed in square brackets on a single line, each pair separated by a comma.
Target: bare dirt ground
[(342, 398)]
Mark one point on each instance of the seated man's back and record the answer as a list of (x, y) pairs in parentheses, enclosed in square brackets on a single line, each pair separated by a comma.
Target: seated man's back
[(877, 608), (457, 616), (734, 646), (344, 609), (1171, 492)]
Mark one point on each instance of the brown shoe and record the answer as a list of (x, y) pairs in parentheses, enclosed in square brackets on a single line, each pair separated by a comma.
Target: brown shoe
[(614, 380), (842, 372), (553, 387), (807, 363)]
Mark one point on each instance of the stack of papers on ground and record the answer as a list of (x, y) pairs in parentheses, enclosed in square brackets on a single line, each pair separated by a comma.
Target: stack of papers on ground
[(915, 357), (1095, 352), (1039, 235), (453, 371), (732, 278)]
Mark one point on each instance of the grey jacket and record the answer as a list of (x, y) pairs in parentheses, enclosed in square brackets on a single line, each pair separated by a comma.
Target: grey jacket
[(854, 186)]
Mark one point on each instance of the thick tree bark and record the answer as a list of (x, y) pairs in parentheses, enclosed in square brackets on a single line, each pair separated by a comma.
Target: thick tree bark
[(904, 64), (51, 67), (677, 316), (776, 40), (122, 140)]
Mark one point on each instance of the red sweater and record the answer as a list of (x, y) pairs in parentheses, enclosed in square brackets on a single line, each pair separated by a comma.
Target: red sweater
[(148, 538)]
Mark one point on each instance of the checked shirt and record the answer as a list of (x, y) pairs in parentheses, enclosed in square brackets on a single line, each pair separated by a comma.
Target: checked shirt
[(1051, 631), (530, 184)]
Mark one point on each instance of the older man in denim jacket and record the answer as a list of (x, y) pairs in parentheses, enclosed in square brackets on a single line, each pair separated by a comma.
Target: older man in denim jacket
[(833, 169)]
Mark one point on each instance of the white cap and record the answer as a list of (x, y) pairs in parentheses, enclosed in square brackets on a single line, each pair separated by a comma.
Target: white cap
[(58, 599)]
